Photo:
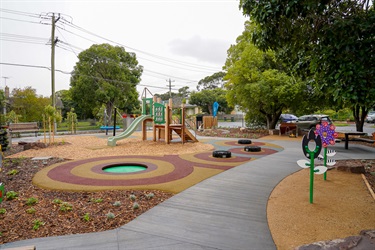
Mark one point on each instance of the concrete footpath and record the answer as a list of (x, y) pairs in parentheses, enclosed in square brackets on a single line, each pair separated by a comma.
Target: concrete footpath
[(226, 211)]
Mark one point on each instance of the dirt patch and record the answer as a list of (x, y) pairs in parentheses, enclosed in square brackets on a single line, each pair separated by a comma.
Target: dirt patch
[(36, 212), (343, 206)]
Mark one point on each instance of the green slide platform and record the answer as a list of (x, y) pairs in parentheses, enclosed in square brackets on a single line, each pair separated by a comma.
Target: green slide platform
[(112, 140)]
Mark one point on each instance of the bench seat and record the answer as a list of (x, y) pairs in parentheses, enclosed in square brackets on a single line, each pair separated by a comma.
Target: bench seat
[(24, 127)]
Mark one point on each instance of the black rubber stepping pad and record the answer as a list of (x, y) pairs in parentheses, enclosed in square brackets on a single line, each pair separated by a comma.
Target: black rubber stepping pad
[(252, 149), (244, 141), (221, 154)]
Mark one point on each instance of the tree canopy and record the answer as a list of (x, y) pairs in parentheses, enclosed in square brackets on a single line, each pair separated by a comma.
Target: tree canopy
[(27, 104), (206, 98), (106, 75), (258, 83), (211, 82), (329, 42)]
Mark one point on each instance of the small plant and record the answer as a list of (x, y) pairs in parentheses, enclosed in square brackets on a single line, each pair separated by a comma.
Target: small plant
[(96, 200), (135, 206), (363, 160), (66, 207), (11, 195), (110, 215), (3, 210), (86, 217), (18, 160), (13, 172), (57, 201), (31, 201), (31, 210), (150, 196), (133, 197), (62, 141), (117, 203), (37, 224)]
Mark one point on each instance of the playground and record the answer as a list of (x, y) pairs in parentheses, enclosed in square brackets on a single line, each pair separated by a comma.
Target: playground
[(173, 160)]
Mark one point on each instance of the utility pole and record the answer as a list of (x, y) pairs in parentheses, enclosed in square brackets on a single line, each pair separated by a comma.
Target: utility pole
[(170, 87), (53, 43), (5, 101)]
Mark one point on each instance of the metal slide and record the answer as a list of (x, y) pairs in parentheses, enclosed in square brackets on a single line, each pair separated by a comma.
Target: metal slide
[(112, 140)]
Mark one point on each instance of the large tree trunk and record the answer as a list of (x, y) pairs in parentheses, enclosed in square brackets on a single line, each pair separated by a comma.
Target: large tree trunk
[(109, 108), (359, 114), (272, 119)]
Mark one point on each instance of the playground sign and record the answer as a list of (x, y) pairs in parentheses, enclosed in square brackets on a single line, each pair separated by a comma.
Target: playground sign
[(215, 108), (159, 113)]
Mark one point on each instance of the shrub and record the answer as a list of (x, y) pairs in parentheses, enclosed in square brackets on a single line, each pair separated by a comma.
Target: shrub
[(117, 203), (11, 195), (135, 206), (96, 200), (133, 197), (86, 217), (57, 201), (110, 215), (37, 224), (3, 210), (31, 210), (13, 172), (150, 196), (31, 201), (66, 207)]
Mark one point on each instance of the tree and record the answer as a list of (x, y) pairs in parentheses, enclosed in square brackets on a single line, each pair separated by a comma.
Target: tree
[(211, 82), (258, 83), (206, 98), (330, 42), (106, 75), (184, 92), (27, 104)]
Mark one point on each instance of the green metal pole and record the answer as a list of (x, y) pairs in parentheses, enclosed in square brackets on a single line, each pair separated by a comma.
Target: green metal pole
[(325, 162), (311, 177)]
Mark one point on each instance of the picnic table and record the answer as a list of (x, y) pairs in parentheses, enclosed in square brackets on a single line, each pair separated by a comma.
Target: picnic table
[(356, 138)]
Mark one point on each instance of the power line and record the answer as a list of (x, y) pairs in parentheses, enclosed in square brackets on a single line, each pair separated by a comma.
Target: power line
[(21, 13), (70, 73)]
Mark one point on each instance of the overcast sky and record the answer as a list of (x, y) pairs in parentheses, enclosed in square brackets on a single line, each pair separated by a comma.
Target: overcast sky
[(184, 41)]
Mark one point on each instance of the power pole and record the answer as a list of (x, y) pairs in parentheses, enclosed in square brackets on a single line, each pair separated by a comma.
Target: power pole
[(170, 87), (53, 43), (5, 101)]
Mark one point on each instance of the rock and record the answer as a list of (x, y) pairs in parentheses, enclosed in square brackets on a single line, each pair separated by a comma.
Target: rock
[(364, 241), (352, 169), (27, 146), (34, 145), (370, 234), (347, 243)]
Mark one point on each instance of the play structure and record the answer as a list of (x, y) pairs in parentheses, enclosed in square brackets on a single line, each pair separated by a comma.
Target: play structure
[(323, 136), (163, 124)]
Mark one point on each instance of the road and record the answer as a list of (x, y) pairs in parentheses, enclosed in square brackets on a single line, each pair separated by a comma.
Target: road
[(368, 128)]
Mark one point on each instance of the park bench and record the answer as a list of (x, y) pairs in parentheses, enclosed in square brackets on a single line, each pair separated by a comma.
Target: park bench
[(24, 127), (356, 136)]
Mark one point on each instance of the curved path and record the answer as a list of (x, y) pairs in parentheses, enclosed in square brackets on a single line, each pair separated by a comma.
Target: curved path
[(226, 211)]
